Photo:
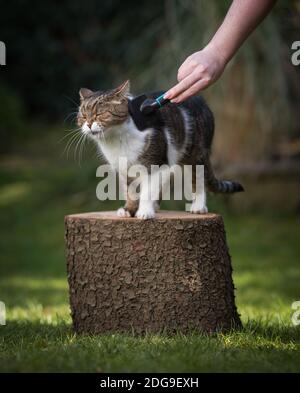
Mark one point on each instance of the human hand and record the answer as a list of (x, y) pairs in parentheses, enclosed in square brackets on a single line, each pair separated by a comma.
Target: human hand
[(198, 71)]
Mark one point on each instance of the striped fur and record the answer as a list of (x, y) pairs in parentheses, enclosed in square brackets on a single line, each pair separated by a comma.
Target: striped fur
[(183, 136)]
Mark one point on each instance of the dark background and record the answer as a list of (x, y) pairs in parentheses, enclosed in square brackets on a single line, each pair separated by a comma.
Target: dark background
[(54, 48)]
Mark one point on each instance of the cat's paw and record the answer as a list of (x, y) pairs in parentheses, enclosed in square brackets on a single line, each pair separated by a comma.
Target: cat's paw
[(123, 212), (198, 210), (145, 214)]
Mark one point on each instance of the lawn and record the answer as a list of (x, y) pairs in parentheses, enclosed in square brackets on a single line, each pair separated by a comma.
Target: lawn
[(39, 185)]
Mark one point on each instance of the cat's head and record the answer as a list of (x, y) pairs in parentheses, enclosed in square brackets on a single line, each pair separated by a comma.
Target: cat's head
[(101, 110)]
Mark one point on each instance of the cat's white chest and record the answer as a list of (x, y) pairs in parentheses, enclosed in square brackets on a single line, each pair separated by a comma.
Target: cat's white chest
[(124, 141)]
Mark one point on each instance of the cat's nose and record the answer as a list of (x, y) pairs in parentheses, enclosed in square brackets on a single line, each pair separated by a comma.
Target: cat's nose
[(95, 128)]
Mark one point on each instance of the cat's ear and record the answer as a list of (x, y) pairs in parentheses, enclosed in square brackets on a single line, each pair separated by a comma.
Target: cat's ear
[(123, 89), (85, 93)]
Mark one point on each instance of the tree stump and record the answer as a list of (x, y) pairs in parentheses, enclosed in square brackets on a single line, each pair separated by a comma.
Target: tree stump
[(172, 273)]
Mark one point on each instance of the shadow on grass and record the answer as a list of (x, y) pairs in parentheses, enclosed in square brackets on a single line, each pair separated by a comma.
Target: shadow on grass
[(15, 332), (36, 346), (59, 329)]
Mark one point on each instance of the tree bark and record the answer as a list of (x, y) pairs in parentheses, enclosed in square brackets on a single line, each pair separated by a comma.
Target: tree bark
[(167, 274)]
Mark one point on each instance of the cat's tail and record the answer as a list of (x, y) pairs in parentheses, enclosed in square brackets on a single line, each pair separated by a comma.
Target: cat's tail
[(225, 186), (219, 186)]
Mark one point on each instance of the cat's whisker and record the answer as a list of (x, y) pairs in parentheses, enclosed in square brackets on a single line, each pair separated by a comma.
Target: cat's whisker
[(69, 142), (74, 114), (97, 153), (77, 145), (82, 148), (72, 140), (71, 100), (73, 129), (83, 144), (68, 134), (77, 130), (86, 142)]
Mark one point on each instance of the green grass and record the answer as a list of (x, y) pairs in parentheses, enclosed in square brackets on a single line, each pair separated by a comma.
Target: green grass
[(37, 188)]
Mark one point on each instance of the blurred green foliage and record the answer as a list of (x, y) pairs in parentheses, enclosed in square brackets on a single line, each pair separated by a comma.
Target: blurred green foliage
[(54, 48), (12, 117)]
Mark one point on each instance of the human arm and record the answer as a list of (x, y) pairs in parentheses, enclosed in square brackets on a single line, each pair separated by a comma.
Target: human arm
[(203, 68)]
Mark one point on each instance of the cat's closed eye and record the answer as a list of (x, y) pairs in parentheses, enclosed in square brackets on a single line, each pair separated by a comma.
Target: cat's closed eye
[(103, 117)]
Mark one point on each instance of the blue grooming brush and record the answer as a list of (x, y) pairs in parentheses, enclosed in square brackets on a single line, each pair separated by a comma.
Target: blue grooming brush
[(150, 105), (144, 110)]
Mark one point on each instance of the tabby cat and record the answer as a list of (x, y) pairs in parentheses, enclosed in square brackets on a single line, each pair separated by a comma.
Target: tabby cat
[(182, 136)]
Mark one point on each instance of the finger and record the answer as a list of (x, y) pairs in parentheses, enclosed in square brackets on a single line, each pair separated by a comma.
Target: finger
[(194, 89), (181, 86), (185, 69)]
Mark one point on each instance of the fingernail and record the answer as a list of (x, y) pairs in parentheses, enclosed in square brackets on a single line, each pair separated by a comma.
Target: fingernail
[(166, 96)]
